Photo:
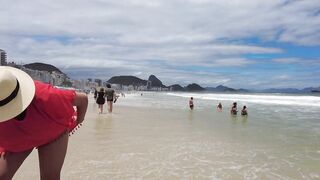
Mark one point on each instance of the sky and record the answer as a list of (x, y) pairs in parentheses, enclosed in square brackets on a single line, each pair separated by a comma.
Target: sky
[(253, 44)]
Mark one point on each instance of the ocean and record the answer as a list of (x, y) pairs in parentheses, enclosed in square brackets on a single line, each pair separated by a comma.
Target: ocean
[(154, 135)]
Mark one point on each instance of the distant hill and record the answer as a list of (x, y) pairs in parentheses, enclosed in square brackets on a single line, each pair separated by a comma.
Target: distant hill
[(194, 87), (282, 90), (176, 87), (311, 89), (243, 90), (289, 90), (43, 67), (155, 82), (127, 80), (222, 88)]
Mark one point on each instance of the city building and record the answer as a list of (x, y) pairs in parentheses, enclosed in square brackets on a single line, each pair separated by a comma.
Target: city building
[(3, 58), (98, 81)]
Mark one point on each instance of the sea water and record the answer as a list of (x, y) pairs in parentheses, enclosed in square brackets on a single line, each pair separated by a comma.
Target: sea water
[(153, 135)]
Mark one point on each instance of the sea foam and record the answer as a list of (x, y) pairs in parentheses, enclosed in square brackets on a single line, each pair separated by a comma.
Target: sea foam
[(296, 100)]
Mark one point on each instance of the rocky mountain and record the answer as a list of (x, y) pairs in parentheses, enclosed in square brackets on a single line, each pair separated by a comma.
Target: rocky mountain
[(311, 89), (281, 90), (290, 90), (194, 87), (155, 82), (127, 80), (43, 67), (222, 88), (177, 87)]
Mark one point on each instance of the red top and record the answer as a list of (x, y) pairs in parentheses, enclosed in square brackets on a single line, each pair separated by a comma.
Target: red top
[(50, 114)]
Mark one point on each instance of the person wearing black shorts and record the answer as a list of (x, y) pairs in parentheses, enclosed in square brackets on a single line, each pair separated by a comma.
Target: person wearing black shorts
[(101, 100), (111, 95)]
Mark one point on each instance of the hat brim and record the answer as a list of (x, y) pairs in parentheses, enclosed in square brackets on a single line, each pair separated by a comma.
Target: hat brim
[(24, 97)]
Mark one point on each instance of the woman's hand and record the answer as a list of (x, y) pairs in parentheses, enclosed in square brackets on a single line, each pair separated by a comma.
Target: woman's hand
[(81, 102)]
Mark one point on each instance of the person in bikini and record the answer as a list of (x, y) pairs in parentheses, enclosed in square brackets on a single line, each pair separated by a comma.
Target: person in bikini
[(36, 115)]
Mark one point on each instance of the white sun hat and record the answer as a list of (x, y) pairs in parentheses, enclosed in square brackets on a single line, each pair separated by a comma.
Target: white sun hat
[(17, 90)]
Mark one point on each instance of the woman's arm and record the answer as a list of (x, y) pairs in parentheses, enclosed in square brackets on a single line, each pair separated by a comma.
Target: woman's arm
[(81, 102)]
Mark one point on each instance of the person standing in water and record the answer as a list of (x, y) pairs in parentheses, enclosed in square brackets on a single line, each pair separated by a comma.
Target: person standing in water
[(111, 96), (191, 103), (234, 109), (244, 111), (101, 100), (219, 107)]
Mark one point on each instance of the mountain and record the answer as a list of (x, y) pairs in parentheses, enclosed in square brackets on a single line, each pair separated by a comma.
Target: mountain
[(176, 87), (194, 87), (243, 90), (282, 90), (155, 82), (127, 80), (311, 89), (43, 67), (222, 88)]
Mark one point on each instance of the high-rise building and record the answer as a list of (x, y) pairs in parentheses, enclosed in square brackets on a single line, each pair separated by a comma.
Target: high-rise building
[(98, 81), (3, 58)]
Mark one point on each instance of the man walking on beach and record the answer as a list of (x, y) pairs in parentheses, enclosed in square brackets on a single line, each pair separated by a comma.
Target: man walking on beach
[(111, 96)]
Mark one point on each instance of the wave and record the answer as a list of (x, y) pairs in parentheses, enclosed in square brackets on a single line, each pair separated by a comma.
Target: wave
[(259, 99)]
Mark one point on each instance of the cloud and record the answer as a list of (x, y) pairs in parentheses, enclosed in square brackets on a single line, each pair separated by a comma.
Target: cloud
[(141, 36), (286, 60)]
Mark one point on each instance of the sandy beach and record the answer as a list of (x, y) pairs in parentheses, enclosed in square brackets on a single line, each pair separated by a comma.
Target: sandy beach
[(162, 142)]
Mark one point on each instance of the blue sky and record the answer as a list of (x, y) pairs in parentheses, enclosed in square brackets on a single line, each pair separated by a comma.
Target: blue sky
[(237, 43)]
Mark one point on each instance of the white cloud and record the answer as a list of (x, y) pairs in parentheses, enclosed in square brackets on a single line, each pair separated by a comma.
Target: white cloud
[(132, 35)]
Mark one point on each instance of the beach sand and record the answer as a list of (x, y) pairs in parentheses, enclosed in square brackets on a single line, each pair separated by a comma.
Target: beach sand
[(120, 145)]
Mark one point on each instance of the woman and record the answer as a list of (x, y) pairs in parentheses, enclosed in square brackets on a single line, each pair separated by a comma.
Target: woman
[(101, 100), (111, 95), (35, 115)]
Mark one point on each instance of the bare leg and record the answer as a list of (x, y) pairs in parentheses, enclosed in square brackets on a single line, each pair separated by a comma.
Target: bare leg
[(10, 163), (51, 158), (111, 104), (100, 108)]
